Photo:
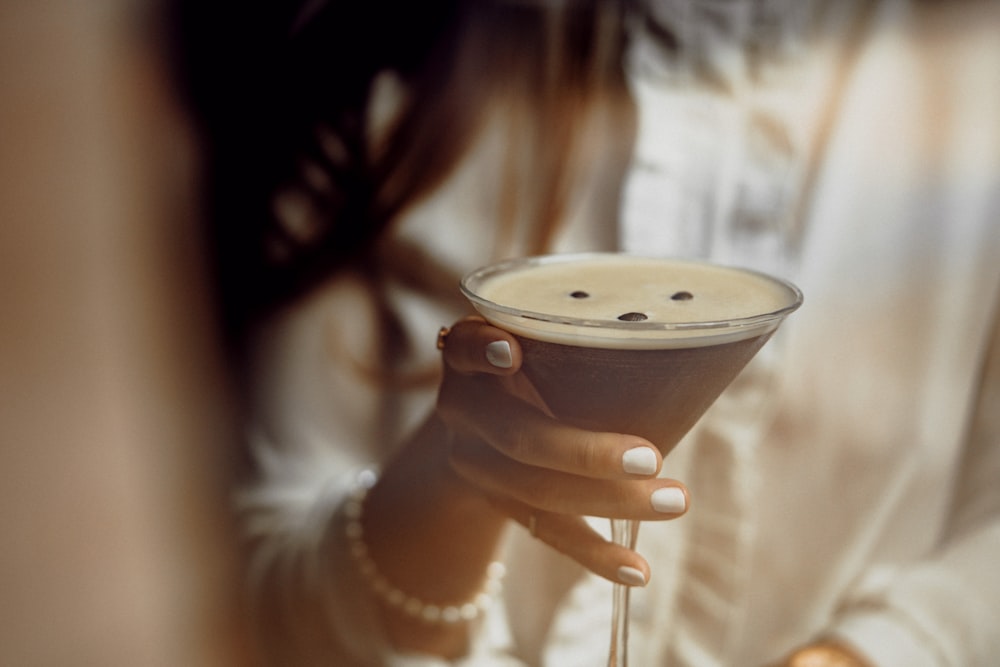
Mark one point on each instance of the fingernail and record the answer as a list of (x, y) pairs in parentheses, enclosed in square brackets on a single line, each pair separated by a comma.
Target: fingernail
[(631, 576), (639, 461), (498, 354), (669, 500)]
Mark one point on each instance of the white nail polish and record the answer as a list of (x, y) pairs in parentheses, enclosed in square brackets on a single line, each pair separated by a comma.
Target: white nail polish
[(498, 354), (669, 500), (631, 576), (639, 461)]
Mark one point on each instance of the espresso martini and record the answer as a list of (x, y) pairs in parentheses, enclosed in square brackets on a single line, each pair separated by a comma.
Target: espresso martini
[(631, 344)]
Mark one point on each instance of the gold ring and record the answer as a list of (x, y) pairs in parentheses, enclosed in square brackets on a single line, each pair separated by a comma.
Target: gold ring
[(533, 525), (442, 334)]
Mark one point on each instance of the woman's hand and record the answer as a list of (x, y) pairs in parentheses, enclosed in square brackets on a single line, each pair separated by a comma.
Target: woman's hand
[(543, 473), (490, 452)]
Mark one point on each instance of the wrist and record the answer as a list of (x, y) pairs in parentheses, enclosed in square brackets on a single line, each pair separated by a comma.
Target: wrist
[(402, 601), (431, 577), (430, 539)]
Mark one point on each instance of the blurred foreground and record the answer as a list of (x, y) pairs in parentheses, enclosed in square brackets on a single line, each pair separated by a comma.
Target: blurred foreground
[(115, 443)]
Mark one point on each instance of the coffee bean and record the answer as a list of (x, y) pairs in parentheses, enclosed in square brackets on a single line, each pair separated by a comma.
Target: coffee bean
[(682, 296), (632, 317), (579, 294)]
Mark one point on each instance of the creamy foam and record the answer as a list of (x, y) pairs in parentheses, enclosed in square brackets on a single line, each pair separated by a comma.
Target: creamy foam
[(583, 300)]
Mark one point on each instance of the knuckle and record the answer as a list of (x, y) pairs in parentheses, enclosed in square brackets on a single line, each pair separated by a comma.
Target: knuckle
[(542, 496), (533, 487), (590, 454), (518, 442)]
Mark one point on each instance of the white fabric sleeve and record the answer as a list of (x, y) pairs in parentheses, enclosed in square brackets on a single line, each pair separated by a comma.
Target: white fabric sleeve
[(318, 424), (306, 605)]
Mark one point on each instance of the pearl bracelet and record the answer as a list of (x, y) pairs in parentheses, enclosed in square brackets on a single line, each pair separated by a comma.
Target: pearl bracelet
[(396, 598)]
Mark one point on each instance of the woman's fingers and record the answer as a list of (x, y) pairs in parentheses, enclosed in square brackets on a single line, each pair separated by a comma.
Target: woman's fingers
[(506, 412), (538, 470), (473, 346), (523, 432), (573, 537), (562, 493)]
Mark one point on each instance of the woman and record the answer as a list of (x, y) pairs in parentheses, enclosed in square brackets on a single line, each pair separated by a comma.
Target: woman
[(843, 511)]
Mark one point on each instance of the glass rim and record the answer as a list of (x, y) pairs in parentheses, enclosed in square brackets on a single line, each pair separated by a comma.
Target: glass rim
[(473, 278)]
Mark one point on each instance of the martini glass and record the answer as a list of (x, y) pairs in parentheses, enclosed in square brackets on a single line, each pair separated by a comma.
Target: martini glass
[(630, 344)]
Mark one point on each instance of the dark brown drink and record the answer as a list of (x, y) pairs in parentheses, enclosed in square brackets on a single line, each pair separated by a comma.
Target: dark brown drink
[(631, 345), (656, 394)]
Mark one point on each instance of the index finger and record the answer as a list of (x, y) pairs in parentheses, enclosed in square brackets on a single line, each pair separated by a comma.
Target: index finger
[(473, 345)]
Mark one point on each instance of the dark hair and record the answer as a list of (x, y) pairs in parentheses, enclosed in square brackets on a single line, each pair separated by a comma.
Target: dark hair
[(282, 98)]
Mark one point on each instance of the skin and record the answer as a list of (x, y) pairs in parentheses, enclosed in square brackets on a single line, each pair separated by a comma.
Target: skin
[(470, 470)]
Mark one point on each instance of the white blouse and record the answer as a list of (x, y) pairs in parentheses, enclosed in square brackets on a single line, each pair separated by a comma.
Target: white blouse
[(847, 484)]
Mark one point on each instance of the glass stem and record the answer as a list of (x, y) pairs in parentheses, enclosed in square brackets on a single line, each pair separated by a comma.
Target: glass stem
[(623, 532)]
